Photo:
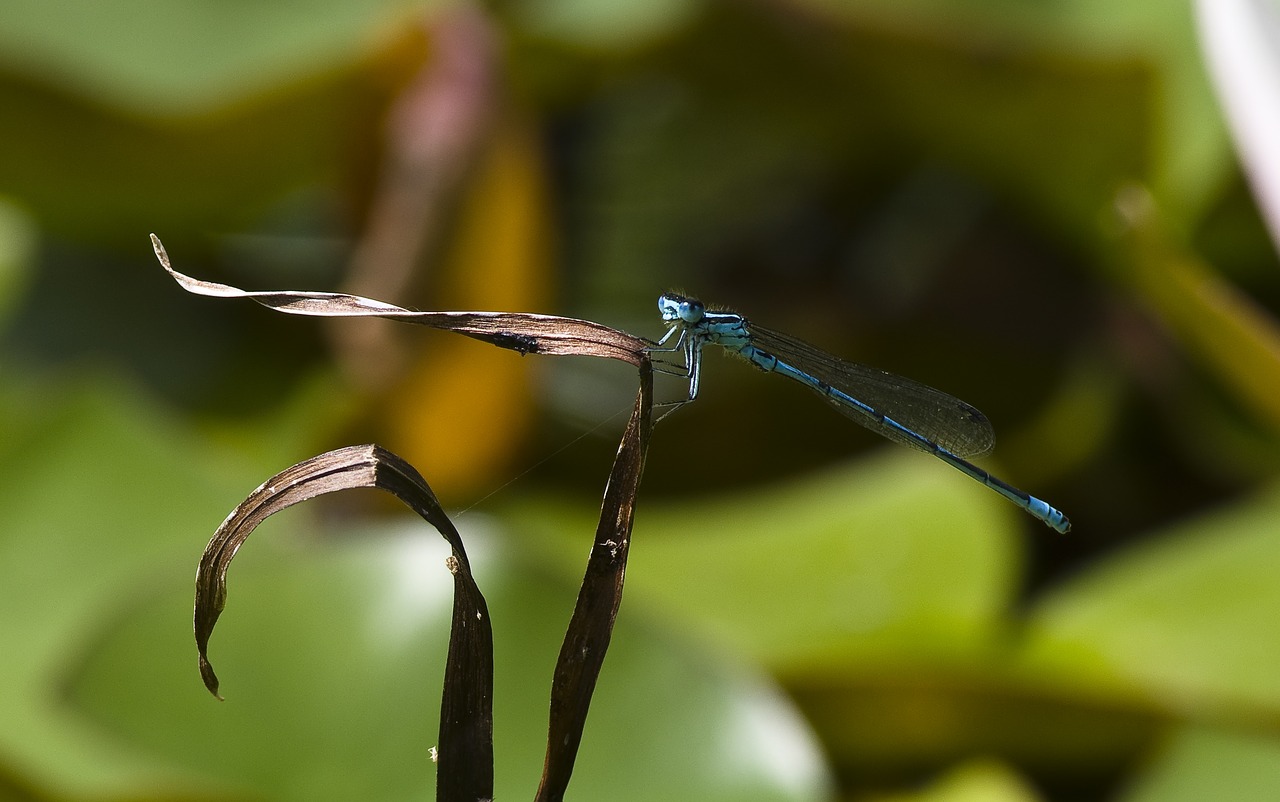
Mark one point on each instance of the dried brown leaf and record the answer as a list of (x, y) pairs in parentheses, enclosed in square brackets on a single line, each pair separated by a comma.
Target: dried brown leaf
[(518, 331), (591, 627), (466, 712), (465, 765)]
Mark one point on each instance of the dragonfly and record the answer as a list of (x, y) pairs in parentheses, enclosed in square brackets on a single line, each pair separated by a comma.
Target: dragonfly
[(904, 411)]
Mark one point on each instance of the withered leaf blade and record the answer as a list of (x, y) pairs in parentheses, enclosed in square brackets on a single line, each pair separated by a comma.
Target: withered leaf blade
[(465, 762), (591, 627), (522, 332)]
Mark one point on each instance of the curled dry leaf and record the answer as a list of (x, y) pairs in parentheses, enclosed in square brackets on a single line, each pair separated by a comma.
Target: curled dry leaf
[(465, 768), (466, 745)]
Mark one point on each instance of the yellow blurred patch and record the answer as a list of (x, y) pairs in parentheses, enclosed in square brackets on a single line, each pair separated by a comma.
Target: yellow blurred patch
[(464, 407)]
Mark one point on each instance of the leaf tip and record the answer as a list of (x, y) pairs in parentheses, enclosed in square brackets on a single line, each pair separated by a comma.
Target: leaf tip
[(158, 247), (210, 678)]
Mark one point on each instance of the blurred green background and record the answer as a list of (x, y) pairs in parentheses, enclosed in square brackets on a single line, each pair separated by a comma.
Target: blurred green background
[(1033, 206)]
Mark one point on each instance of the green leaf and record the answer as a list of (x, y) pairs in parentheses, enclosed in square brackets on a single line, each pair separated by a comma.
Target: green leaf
[(183, 56), (707, 141), (199, 118), (101, 494), (1233, 336), (896, 555), (621, 24), (1188, 152), (1200, 763), (1186, 619), (980, 781), (348, 710)]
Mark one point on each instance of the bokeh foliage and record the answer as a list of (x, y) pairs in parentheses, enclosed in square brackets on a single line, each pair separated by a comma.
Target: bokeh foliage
[(1032, 206)]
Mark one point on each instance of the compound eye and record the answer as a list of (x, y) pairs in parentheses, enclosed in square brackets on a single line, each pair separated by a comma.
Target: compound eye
[(691, 311)]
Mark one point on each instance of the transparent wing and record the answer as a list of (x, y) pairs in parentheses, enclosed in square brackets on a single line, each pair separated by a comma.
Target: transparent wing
[(938, 417)]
